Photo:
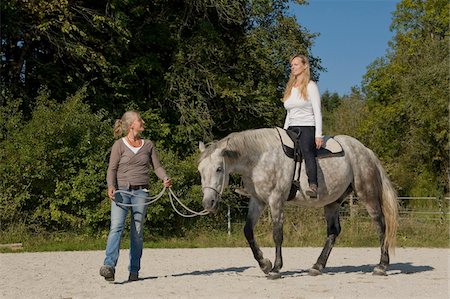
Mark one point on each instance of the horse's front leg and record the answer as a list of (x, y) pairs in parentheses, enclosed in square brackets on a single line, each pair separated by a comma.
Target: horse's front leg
[(255, 209), (277, 222)]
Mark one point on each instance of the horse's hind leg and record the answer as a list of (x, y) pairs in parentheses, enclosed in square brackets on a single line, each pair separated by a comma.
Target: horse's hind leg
[(255, 209), (333, 230), (375, 212)]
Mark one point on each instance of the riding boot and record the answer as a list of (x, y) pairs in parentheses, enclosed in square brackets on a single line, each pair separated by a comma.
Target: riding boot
[(312, 191)]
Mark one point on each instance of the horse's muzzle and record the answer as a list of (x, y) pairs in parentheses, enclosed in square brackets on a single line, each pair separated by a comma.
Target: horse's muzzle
[(210, 202)]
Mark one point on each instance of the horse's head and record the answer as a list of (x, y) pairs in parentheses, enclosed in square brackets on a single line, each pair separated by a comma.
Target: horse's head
[(214, 174)]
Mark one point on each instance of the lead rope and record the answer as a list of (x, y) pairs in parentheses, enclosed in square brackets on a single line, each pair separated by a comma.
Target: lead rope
[(152, 199), (194, 213), (156, 198), (171, 197)]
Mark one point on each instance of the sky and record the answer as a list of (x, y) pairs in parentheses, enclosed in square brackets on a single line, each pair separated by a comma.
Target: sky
[(353, 33)]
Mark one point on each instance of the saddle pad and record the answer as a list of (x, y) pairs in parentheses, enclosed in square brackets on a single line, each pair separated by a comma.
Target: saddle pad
[(330, 145)]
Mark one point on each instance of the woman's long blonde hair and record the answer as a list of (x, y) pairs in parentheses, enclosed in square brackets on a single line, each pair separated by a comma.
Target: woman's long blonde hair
[(121, 126), (302, 79)]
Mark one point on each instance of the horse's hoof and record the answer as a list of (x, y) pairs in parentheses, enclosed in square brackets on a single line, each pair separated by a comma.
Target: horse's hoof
[(314, 272), (265, 265), (379, 271), (274, 275)]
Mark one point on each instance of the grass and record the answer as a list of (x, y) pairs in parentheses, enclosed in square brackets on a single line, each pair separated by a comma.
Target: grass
[(305, 227)]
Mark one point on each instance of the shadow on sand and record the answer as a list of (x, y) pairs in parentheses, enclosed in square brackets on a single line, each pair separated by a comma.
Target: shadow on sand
[(140, 279), (194, 273), (209, 272), (394, 269)]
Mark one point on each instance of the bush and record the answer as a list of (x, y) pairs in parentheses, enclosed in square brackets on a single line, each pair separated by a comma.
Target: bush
[(52, 173), (53, 169)]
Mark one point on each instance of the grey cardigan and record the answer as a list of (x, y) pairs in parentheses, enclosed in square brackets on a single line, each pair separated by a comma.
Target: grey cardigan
[(127, 168)]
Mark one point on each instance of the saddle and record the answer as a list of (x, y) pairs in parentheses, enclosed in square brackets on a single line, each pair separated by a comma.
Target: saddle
[(291, 148), (289, 142)]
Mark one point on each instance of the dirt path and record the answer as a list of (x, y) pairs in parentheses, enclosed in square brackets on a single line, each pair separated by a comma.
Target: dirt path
[(226, 273)]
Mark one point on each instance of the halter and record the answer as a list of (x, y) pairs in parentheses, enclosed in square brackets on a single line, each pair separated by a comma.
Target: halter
[(223, 181)]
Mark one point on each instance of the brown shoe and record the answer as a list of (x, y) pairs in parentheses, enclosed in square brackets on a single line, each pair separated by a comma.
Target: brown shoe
[(107, 272), (133, 277), (312, 191)]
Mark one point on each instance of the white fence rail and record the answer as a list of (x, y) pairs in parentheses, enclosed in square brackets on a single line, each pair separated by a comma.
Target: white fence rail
[(440, 206), (442, 214)]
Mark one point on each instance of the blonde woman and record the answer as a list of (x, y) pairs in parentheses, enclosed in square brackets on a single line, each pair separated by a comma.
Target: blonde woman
[(129, 167), (304, 116)]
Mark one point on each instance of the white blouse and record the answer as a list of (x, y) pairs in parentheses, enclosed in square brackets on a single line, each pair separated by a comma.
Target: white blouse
[(301, 112)]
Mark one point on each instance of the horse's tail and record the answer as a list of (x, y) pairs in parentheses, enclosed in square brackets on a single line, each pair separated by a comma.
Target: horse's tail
[(389, 205)]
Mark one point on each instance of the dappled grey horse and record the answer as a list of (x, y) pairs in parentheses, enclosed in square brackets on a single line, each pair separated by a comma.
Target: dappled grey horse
[(267, 174)]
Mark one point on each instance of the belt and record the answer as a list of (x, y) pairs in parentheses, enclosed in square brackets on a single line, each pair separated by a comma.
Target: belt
[(137, 187)]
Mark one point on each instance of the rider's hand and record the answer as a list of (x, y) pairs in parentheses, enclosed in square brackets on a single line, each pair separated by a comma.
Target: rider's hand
[(167, 182), (319, 142)]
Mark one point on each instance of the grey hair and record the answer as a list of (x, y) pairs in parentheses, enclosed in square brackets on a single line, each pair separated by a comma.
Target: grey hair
[(121, 126)]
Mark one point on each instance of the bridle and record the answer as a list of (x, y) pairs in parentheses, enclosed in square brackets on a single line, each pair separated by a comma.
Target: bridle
[(223, 181)]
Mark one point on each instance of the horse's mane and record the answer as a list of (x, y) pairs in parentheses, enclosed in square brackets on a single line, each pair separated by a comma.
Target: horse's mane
[(254, 141)]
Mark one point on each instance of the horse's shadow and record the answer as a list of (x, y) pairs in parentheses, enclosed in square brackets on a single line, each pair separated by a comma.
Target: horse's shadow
[(394, 269)]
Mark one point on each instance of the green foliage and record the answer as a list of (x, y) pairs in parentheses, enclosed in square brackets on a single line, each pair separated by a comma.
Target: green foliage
[(57, 44), (418, 19), (205, 69), (226, 77), (346, 116), (195, 70), (330, 101), (52, 170), (407, 94), (11, 117)]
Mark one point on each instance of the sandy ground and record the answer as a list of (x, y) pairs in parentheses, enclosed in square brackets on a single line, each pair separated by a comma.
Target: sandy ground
[(226, 273)]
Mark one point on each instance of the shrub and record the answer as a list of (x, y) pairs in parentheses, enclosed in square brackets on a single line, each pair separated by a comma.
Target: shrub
[(53, 167)]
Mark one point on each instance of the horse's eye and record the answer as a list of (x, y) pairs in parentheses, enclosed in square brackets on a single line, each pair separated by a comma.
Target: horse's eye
[(219, 169)]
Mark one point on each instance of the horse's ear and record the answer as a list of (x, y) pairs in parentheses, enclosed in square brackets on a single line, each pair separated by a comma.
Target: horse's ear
[(201, 146)]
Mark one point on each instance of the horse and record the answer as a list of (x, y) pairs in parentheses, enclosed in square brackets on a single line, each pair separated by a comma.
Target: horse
[(267, 175)]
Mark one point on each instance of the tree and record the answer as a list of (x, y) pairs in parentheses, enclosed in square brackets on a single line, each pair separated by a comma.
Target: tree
[(205, 68), (55, 44), (408, 94), (348, 115)]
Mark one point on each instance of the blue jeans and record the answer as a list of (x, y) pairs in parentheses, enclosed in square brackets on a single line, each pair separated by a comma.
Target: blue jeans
[(118, 216)]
